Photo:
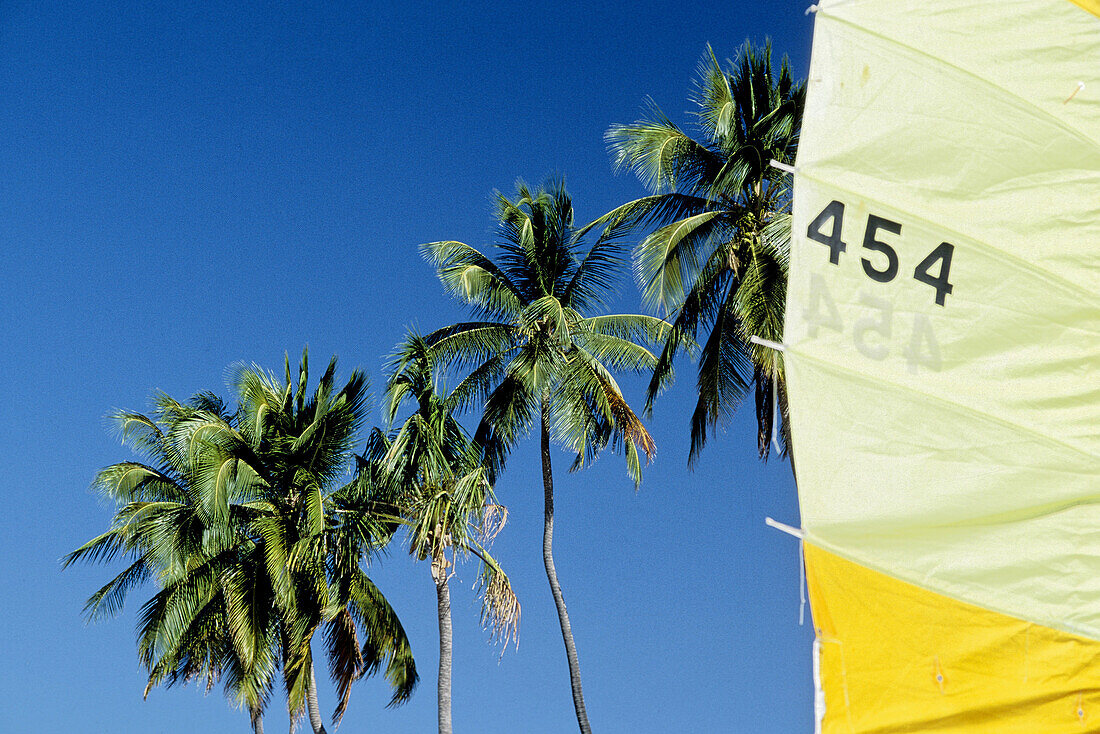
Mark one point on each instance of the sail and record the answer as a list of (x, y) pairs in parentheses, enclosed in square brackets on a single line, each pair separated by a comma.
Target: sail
[(942, 353)]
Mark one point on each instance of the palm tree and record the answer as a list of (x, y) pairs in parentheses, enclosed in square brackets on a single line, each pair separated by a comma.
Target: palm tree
[(441, 492), (717, 258), (536, 358), (212, 617), (294, 449), (260, 481)]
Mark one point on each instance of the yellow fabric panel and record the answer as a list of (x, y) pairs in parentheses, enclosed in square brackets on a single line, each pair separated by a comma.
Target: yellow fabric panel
[(897, 658), (1093, 6)]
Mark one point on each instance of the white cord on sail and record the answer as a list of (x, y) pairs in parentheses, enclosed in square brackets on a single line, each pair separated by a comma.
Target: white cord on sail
[(819, 692), (782, 166), (767, 343), (775, 417), (800, 534), (801, 582)]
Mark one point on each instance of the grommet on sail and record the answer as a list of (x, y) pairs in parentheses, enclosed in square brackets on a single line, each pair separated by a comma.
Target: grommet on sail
[(942, 352)]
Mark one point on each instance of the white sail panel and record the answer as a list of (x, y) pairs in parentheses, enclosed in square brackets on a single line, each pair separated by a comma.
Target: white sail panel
[(943, 319)]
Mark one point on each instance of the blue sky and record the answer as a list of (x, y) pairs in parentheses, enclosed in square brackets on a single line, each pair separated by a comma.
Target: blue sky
[(186, 186)]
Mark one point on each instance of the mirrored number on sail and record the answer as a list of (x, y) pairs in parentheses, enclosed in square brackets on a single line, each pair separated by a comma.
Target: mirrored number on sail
[(923, 349), (873, 333), (820, 310), (879, 322)]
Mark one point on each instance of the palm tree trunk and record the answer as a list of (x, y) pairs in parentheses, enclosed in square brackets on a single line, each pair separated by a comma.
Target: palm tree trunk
[(552, 576), (257, 718), (443, 595), (311, 703)]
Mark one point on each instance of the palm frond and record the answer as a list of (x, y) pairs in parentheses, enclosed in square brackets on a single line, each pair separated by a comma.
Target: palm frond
[(474, 389), (141, 432), (108, 600), (639, 328), (500, 608), (473, 278), (594, 279), (129, 481), (385, 644), (617, 353), (344, 657), (101, 549), (507, 415), (588, 412), (761, 301), (669, 259), (646, 211), (725, 376), (714, 97), (661, 155), (466, 343)]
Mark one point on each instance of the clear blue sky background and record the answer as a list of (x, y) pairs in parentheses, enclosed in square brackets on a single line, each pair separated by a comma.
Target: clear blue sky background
[(188, 185)]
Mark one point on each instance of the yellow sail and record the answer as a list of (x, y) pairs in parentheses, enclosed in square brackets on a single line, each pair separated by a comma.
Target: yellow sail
[(943, 361)]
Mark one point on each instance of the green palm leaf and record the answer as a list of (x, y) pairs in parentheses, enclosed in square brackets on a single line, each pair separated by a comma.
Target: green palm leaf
[(668, 260), (474, 278)]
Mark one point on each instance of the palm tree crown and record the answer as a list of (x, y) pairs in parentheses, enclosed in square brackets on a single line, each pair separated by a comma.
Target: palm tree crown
[(241, 525), (717, 258), (442, 490), (212, 618), (537, 348)]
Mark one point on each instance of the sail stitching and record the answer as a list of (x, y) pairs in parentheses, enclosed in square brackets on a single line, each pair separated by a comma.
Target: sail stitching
[(924, 583), (949, 404), (1022, 102)]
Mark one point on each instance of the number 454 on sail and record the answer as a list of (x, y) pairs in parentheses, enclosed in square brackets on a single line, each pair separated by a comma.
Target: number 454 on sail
[(872, 328), (882, 266)]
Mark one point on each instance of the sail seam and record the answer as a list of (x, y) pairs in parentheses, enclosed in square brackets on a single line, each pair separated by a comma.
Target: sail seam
[(949, 404), (1007, 93), (815, 540)]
